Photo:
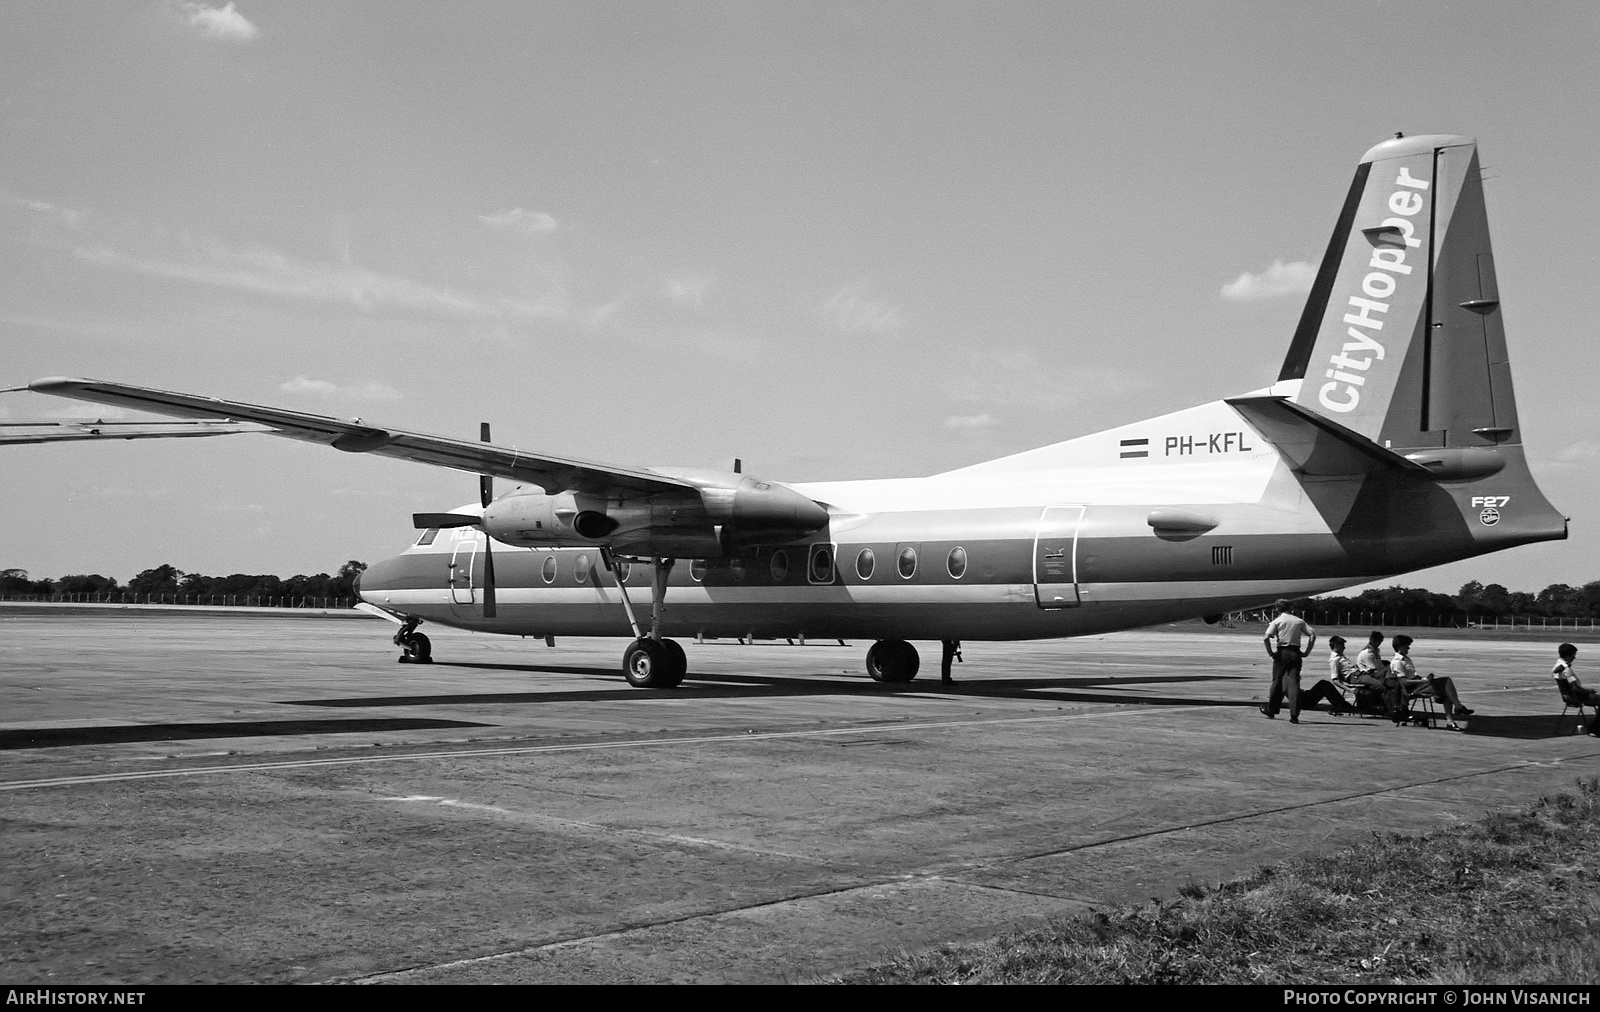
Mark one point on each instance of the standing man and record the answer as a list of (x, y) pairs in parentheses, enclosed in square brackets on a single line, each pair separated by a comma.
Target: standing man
[(1288, 640), (952, 652)]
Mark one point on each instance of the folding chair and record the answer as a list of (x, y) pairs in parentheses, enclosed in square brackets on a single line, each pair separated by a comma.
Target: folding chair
[(1569, 701), (1425, 715)]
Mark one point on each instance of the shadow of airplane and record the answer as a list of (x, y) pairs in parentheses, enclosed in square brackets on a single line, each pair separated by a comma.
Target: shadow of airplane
[(1056, 690), (1525, 727), (54, 737)]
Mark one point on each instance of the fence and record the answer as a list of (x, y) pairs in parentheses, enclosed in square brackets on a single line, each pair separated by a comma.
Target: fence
[(1413, 620), (212, 600)]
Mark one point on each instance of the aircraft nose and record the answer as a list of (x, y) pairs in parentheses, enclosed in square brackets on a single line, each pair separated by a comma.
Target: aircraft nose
[(380, 576)]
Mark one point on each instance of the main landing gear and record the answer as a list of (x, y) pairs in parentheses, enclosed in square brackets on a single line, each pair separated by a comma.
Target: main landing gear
[(418, 650), (650, 662), (892, 661)]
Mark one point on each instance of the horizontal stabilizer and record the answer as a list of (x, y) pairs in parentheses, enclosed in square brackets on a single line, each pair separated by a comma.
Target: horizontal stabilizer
[(1316, 445)]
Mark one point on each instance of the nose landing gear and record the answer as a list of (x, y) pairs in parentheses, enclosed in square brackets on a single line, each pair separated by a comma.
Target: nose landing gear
[(418, 649)]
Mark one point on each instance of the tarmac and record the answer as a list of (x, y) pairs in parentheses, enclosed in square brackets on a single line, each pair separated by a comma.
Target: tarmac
[(237, 797)]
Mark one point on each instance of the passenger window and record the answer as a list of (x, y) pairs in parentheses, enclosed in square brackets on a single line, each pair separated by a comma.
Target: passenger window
[(865, 563), (428, 536), (697, 570), (908, 563), (821, 564), (623, 569), (780, 566), (736, 567), (957, 563), (580, 571), (548, 570)]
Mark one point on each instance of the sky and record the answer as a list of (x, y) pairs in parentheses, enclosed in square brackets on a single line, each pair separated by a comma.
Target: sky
[(836, 240)]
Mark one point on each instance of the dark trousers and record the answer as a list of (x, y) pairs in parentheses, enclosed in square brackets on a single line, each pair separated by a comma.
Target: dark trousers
[(1324, 690), (1285, 681)]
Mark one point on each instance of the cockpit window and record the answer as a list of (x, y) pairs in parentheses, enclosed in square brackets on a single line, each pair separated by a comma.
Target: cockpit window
[(428, 536)]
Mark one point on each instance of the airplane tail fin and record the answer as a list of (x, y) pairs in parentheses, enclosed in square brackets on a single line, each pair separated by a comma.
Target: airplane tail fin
[(1401, 339)]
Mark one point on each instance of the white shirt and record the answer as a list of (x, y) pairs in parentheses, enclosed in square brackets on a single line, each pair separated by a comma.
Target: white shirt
[(1289, 630), (1370, 659)]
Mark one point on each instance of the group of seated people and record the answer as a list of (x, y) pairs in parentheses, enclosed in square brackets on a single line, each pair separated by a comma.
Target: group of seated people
[(1369, 684), (1374, 685)]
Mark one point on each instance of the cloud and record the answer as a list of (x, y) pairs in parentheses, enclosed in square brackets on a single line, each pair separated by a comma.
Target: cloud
[(219, 22), (971, 423), (372, 390), (682, 290), (1581, 454), (532, 222), (1293, 278), (85, 411), (1019, 379), (267, 272), (854, 311), (63, 215)]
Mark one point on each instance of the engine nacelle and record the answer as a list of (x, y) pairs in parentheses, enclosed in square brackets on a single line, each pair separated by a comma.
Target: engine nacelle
[(722, 513), (536, 519)]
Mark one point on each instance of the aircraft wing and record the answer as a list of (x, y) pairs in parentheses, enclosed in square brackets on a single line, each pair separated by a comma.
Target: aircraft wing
[(553, 474), (18, 432), (1316, 445)]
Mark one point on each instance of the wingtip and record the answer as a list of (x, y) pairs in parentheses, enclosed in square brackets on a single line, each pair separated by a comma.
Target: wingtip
[(49, 384)]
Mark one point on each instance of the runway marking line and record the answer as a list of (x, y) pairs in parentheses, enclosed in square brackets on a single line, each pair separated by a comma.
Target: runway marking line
[(103, 778)]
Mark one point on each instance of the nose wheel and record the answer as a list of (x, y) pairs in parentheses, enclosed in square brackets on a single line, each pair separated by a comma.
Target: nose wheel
[(416, 646)]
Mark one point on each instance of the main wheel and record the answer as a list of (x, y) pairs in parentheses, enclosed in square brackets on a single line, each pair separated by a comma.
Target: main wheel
[(651, 664), (892, 661), (680, 662)]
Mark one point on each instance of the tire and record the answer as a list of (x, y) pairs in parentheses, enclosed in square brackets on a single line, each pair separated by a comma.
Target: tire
[(424, 648), (648, 665), (679, 663), (893, 661)]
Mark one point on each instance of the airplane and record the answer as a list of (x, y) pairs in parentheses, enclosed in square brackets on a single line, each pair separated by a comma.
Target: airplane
[(1389, 443)]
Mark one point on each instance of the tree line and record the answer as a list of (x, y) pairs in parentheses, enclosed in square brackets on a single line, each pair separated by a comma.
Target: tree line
[(169, 584), (1473, 604)]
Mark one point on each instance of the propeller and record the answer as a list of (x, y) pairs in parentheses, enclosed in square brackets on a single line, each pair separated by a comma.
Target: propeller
[(486, 496)]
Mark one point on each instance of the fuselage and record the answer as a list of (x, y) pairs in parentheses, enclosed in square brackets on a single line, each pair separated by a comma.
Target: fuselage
[(1189, 514)]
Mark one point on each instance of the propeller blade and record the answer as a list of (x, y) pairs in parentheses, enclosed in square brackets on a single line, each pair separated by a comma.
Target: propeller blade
[(486, 496), (422, 521), (485, 483), (488, 577)]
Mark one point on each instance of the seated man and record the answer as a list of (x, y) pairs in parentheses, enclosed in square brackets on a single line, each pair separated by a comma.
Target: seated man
[(1563, 672), (1376, 688), (1441, 689), (1343, 675)]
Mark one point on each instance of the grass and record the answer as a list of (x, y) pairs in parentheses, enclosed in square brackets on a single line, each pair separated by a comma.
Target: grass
[(1514, 898)]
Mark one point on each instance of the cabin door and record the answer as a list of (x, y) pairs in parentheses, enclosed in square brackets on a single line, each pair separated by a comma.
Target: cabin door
[(1055, 557), (461, 570)]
